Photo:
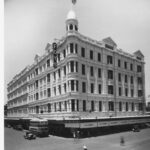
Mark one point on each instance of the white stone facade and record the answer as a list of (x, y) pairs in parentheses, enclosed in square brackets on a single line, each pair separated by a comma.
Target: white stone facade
[(92, 79)]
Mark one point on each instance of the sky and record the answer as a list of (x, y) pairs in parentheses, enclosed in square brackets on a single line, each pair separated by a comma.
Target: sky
[(30, 24)]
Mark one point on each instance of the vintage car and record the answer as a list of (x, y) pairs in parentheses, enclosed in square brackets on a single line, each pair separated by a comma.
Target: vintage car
[(29, 135), (136, 128)]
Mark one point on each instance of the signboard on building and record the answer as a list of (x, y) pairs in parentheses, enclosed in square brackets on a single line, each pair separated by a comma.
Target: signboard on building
[(54, 45)]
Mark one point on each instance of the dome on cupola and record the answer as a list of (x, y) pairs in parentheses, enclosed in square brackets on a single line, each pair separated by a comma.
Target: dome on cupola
[(71, 20), (71, 15)]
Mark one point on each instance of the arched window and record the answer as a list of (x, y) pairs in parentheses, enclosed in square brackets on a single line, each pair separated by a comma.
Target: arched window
[(76, 28), (71, 27)]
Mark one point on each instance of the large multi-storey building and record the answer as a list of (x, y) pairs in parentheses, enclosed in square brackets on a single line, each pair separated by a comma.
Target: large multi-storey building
[(92, 79)]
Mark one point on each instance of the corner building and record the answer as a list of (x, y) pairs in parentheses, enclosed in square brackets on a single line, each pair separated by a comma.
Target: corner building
[(92, 79)]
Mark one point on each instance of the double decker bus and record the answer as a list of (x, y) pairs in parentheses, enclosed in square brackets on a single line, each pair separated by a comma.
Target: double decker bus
[(39, 127)]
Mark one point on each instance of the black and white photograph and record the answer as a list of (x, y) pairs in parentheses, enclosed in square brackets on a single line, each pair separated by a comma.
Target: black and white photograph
[(76, 75)]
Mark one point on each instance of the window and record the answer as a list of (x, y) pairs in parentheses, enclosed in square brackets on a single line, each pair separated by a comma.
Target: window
[(77, 104), (84, 105), (73, 105), (132, 106), (71, 27), (119, 63), (131, 67), (99, 72), (64, 53), (48, 63), (140, 106), (54, 90), (76, 28), (91, 71), (76, 48), (49, 107), (65, 105), (92, 87), (109, 59), (110, 74), (126, 91), (99, 57), (71, 47), (72, 66), (58, 56), (139, 68), (76, 66), (140, 94), (125, 65), (77, 84), (126, 79), (92, 105), (36, 84), (37, 96), (48, 77), (119, 77), (59, 89), (91, 54), (100, 105), (111, 106), (83, 69), (72, 85), (64, 70), (109, 46), (59, 73), (83, 87), (110, 89), (83, 52), (127, 106), (131, 79), (65, 87), (99, 88), (49, 92), (139, 80), (120, 92), (59, 106), (36, 71), (132, 92), (120, 106)]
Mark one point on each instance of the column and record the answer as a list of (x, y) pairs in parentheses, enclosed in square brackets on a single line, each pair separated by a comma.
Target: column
[(123, 88), (96, 85), (75, 103), (74, 63), (129, 86), (88, 79), (135, 86), (69, 67), (104, 79)]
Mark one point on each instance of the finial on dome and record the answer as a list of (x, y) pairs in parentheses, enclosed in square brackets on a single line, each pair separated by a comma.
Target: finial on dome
[(74, 2)]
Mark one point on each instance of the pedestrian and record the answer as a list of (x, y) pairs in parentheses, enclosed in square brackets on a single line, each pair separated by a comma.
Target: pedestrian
[(122, 142), (84, 147), (78, 134), (74, 135)]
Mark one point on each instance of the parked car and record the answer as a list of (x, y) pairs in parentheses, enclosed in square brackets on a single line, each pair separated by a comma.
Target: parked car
[(18, 127), (136, 128), (28, 135)]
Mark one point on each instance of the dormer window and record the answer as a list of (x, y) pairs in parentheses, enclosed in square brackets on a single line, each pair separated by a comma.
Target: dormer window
[(109, 46), (139, 58)]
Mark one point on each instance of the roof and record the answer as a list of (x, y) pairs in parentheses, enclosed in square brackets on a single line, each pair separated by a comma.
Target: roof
[(138, 53), (109, 40)]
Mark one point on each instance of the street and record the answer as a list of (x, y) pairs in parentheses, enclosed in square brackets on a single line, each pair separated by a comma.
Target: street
[(14, 140)]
